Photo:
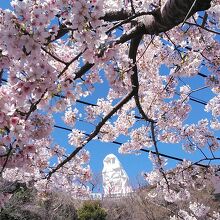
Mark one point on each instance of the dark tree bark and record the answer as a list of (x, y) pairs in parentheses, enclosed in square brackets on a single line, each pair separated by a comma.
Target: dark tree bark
[(172, 13)]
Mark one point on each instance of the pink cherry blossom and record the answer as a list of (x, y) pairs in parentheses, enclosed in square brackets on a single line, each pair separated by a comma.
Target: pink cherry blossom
[(55, 55)]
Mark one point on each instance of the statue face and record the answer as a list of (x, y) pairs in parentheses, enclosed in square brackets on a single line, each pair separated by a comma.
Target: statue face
[(110, 160), (111, 163)]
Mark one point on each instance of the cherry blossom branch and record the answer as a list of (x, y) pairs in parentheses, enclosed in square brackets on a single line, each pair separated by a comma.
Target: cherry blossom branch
[(55, 57), (154, 141), (34, 105), (135, 84), (63, 30), (202, 27), (79, 101), (70, 62), (110, 16), (201, 151), (6, 160), (158, 154), (94, 133), (144, 150), (134, 77), (176, 48)]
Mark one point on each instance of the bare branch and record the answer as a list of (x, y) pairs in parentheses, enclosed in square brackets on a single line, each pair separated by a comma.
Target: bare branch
[(202, 27)]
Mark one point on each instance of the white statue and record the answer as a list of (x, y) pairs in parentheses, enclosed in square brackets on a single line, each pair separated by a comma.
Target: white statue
[(115, 179)]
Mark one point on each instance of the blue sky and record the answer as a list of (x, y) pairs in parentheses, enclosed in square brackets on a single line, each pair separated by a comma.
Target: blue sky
[(133, 164)]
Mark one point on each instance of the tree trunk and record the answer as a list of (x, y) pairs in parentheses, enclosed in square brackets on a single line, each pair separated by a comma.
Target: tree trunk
[(172, 13)]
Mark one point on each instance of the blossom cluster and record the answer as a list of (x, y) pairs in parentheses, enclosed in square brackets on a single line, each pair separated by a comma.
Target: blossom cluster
[(54, 53)]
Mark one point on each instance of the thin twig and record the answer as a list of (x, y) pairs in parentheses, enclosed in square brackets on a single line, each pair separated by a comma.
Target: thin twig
[(6, 160), (204, 28), (70, 62), (55, 57)]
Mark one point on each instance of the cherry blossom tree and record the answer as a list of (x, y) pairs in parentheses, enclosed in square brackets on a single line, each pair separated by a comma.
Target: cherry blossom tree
[(53, 52)]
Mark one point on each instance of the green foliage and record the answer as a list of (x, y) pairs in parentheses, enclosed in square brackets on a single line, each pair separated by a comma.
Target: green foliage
[(91, 210)]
